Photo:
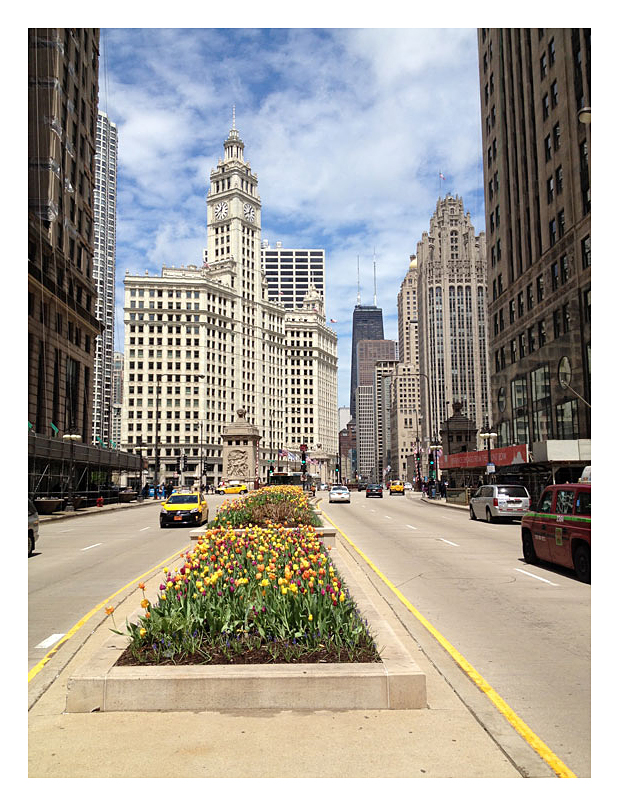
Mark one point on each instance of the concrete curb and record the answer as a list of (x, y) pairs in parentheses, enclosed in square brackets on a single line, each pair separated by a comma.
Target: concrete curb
[(395, 683)]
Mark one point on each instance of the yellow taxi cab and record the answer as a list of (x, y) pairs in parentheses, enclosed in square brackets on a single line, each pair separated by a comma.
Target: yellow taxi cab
[(184, 508), (397, 487), (232, 486)]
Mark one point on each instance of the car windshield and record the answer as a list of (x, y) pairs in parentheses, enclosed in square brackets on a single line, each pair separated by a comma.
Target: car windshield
[(180, 499), (513, 490), (339, 487)]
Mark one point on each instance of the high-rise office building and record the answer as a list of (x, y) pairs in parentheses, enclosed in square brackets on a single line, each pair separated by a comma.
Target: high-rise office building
[(367, 324), (291, 273), (370, 443), (452, 298), (535, 100), (117, 398), (104, 270), (62, 323)]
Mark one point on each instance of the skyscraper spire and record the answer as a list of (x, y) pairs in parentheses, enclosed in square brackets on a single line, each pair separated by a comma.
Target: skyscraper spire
[(234, 127), (359, 296), (374, 271)]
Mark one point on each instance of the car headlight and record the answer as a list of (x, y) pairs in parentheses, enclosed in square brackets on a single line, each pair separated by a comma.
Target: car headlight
[(195, 510)]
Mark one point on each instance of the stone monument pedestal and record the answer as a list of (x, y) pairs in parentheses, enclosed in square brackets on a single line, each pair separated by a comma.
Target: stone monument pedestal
[(240, 451)]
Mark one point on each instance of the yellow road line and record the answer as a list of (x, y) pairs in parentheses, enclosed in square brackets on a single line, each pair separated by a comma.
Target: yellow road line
[(500, 704), (38, 667)]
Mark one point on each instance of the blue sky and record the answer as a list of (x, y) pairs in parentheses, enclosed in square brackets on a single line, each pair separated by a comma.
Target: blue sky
[(347, 130)]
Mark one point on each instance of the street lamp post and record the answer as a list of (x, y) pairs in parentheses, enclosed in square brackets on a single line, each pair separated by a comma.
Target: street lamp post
[(488, 435), (72, 439)]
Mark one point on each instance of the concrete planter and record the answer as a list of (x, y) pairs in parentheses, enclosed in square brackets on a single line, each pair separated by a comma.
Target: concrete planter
[(127, 496), (45, 507), (395, 683)]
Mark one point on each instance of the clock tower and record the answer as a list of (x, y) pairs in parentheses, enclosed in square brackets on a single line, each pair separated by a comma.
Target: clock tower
[(234, 220)]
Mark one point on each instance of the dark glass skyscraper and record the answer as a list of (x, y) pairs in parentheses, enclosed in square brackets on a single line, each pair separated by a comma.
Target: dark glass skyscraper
[(367, 324)]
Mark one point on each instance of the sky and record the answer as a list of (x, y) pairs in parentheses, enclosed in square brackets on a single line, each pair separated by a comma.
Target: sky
[(347, 130)]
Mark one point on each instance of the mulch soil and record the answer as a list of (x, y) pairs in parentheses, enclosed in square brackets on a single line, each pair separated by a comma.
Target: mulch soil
[(259, 655)]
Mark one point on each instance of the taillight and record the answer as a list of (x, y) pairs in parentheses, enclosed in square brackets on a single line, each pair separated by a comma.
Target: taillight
[(495, 503)]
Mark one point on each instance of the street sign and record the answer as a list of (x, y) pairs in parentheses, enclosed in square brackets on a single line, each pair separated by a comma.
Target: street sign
[(303, 447), (490, 467)]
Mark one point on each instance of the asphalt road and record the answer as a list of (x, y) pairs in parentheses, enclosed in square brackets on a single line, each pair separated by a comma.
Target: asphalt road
[(80, 562), (525, 629)]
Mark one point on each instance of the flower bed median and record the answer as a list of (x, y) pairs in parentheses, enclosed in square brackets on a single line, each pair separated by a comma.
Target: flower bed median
[(268, 595), (255, 617)]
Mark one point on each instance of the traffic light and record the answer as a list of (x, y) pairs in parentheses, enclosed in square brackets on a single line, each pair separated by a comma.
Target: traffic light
[(270, 471), (431, 463), (184, 462), (178, 464), (303, 460)]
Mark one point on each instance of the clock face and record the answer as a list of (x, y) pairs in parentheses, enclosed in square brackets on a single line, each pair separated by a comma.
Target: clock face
[(221, 210), (248, 212)]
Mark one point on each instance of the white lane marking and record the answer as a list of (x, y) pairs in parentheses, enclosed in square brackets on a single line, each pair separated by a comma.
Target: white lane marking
[(446, 517), (144, 528), (445, 540), (388, 516), (71, 530), (529, 574), (91, 546), (50, 640), (411, 527)]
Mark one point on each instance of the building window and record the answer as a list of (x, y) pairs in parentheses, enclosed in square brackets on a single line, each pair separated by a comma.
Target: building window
[(542, 334), (545, 106), (566, 417), (586, 256), (566, 318), (520, 308), (547, 148), (552, 232), (511, 311), (559, 180), (554, 276), (554, 94), (557, 324), (564, 269), (531, 340), (556, 137), (551, 52), (540, 290), (530, 297), (521, 345), (543, 66), (561, 224), (587, 305), (550, 190)]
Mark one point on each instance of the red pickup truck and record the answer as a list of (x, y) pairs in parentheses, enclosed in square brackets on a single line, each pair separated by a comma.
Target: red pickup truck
[(558, 530)]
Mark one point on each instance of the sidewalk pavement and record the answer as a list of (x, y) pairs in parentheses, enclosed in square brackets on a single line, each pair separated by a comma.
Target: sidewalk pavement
[(444, 740), (87, 511)]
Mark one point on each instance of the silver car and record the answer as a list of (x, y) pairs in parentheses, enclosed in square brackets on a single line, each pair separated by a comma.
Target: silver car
[(499, 501), (33, 527), (340, 493)]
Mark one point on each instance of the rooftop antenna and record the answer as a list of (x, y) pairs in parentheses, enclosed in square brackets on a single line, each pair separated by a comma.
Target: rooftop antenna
[(359, 296), (374, 270), (233, 116)]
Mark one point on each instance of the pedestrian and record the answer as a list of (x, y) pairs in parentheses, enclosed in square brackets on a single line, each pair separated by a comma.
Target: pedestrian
[(145, 491), (168, 489)]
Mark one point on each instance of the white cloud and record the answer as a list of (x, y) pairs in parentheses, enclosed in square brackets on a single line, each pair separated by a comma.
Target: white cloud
[(347, 130)]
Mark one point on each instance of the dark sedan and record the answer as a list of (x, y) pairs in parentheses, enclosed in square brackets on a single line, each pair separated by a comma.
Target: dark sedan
[(374, 490)]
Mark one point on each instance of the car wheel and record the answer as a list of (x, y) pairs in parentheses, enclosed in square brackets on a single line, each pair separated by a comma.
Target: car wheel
[(162, 525), (490, 518), (582, 563), (472, 515), (529, 553)]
